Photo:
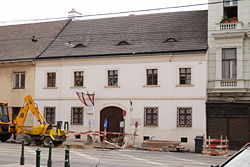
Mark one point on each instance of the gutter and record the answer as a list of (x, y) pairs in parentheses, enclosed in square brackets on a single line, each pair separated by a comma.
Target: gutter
[(123, 54)]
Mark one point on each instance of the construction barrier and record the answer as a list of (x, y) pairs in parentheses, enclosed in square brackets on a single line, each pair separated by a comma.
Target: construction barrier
[(215, 146), (98, 133), (104, 135)]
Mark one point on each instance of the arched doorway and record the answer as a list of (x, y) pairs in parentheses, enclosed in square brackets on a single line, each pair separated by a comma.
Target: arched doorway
[(114, 115)]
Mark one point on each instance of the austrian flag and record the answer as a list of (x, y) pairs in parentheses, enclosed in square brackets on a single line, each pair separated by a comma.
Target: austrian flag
[(81, 96)]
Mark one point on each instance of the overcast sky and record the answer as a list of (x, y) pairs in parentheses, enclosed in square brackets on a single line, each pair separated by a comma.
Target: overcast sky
[(39, 9)]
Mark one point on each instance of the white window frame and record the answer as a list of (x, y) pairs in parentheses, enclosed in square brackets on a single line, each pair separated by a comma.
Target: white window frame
[(73, 78), (107, 78), (146, 77), (178, 76), (46, 79), (19, 84)]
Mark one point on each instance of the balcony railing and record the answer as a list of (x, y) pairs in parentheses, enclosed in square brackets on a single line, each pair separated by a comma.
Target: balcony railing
[(229, 26), (228, 83)]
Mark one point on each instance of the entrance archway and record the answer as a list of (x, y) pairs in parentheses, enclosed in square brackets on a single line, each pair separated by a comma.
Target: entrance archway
[(114, 115)]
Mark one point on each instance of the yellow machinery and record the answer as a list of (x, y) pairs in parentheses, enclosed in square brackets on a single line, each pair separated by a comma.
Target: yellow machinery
[(5, 124), (42, 133)]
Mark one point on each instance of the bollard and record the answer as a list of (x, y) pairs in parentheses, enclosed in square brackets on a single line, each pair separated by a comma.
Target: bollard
[(22, 154), (38, 151), (68, 146), (66, 162), (49, 163)]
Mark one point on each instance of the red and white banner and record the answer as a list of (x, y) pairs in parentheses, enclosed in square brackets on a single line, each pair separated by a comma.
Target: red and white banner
[(81, 96)]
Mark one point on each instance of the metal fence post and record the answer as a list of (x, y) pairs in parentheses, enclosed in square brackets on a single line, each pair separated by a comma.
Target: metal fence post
[(66, 162), (49, 163), (22, 154), (38, 156)]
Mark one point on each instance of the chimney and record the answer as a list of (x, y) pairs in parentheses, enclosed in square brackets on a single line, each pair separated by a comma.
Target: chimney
[(73, 14)]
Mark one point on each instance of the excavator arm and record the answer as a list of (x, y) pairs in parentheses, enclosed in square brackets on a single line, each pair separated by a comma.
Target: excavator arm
[(21, 117)]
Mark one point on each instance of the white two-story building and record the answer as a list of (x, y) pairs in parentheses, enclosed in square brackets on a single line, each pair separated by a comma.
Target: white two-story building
[(149, 69)]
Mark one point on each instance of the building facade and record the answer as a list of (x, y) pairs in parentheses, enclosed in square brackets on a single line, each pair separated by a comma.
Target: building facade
[(228, 109), (149, 69)]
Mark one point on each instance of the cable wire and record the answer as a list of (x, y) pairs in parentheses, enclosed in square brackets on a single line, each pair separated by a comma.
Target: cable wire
[(123, 12)]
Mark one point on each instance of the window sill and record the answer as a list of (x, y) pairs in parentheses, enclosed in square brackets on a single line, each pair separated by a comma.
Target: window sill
[(111, 86), (184, 126), (77, 87), (18, 89), (151, 126), (50, 87), (185, 85), (151, 86)]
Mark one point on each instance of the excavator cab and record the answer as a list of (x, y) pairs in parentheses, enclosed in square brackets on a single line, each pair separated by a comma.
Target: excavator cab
[(5, 133), (4, 115)]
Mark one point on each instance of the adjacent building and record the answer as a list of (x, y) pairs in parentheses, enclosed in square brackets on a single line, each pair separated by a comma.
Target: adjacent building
[(19, 45), (228, 108), (149, 69)]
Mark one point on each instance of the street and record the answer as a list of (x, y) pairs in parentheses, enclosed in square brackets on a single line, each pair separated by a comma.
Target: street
[(10, 154)]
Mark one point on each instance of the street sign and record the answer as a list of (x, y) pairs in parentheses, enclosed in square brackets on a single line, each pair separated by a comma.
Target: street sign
[(105, 124), (122, 124)]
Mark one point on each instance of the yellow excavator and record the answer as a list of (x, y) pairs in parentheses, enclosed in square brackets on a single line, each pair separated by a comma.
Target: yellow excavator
[(5, 124), (41, 133)]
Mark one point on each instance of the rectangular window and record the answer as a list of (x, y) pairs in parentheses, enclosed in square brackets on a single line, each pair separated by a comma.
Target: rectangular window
[(112, 77), (151, 116), (230, 2), (51, 79), (184, 117), (230, 9), (152, 76), (19, 80), (229, 63), (50, 114), (77, 115), (78, 78), (185, 76)]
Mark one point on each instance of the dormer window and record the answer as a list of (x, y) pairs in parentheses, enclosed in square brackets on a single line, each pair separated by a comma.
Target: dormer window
[(170, 40), (230, 9), (123, 43), (80, 45)]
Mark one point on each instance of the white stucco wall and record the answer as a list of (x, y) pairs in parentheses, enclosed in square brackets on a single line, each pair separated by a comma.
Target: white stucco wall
[(132, 77)]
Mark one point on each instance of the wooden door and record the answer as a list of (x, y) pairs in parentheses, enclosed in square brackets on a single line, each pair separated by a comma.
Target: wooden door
[(114, 115)]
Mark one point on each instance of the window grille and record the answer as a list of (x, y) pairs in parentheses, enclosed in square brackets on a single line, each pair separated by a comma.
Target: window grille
[(184, 117), (50, 113), (77, 116), (151, 116)]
